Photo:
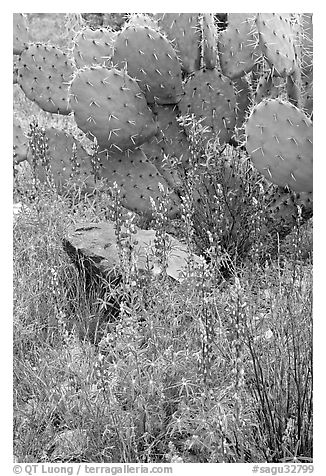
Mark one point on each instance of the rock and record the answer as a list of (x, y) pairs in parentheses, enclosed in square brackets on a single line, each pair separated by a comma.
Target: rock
[(94, 245)]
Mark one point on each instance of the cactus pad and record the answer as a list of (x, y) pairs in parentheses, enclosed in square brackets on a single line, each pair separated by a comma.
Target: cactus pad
[(306, 43), (284, 208), (109, 105), (149, 58), (171, 142), (20, 143), (20, 33), (93, 46), (155, 151), (44, 73), (237, 45), (183, 30), (209, 40), (210, 96), (277, 42), (268, 86), (66, 159), (137, 178), (175, 142), (243, 98), (279, 141)]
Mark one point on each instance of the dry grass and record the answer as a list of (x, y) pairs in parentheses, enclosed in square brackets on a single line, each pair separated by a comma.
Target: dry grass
[(209, 370)]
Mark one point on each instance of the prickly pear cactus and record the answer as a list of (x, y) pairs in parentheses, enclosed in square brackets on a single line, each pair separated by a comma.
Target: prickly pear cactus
[(243, 98), (294, 87), (284, 203), (64, 159), (154, 150), (210, 96), (237, 46), (304, 42), (183, 30), (93, 47), (44, 72), (20, 143), (305, 48), (279, 141), (137, 178), (171, 142), (277, 42), (268, 86), (285, 209), (175, 142), (58, 156), (209, 40), (149, 58), (20, 33), (109, 105)]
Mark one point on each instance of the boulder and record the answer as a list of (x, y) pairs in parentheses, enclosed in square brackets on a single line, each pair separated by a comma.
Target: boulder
[(94, 245)]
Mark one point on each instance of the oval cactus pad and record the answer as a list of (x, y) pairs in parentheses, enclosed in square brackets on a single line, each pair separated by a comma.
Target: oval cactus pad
[(210, 96), (237, 45), (183, 30), (150, 58), (20, 33), (20, 143), (44, 73), (109, 105), (279, 141), (137, 178), (66, 159), (93, 46), (277, 41)]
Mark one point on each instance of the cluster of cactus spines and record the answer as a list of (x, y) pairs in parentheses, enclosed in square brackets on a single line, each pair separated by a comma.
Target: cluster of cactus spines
[(210, 96), (277, 42), (93, 47), (237, 45), (138, 179), (183, 30), (65, 159), (20, 143), (149, 58), (44, 73), (130, 95), (279, 141), (20, 33), (109, 105)]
